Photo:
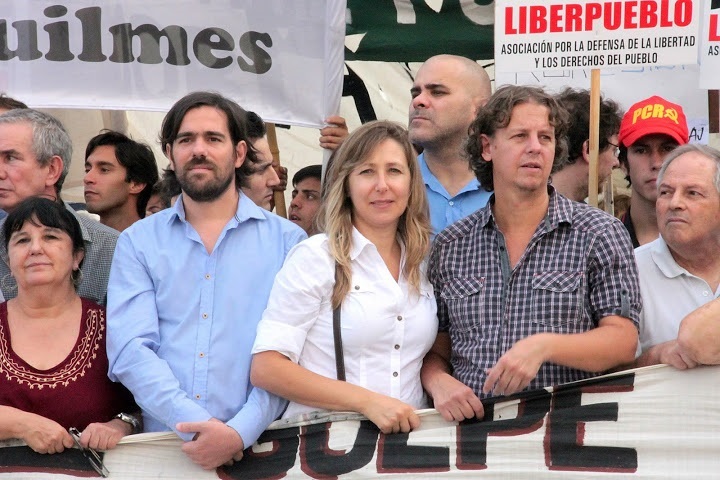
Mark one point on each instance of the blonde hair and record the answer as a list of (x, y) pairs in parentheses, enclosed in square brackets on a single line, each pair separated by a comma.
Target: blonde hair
[(335, 216)]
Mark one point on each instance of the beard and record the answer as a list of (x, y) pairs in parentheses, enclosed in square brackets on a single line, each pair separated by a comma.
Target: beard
[(204, 191)]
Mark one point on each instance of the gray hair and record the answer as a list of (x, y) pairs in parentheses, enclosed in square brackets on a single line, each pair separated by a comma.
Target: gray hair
[(707, 152), (49, 138)]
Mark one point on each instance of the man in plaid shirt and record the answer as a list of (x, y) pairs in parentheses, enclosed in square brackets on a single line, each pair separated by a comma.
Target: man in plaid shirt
[(533, 290)]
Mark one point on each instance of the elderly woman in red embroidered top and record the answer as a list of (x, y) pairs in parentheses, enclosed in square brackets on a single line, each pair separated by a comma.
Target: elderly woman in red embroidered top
[(53, 365), (377, 232)]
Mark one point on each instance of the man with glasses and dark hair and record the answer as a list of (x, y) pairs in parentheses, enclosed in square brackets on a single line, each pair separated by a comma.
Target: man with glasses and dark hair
[(650, 130), (572, 178)]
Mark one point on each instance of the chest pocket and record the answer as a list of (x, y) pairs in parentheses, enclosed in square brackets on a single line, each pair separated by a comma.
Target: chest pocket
[(464, 299), (557, 299)]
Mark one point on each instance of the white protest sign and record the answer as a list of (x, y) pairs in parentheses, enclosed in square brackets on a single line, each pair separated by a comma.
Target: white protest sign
[(538, 35), (710, 48), (281, 59), (629, 85)]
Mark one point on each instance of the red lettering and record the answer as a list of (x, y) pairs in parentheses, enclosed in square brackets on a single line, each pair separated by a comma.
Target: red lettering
[(714, 31), (683, 13), (613, 15), (648, 15), (593, 11), (555, 18), (573, 17), (509, 29), (630, 14), (523, 20), (665, 20), (538, 22)]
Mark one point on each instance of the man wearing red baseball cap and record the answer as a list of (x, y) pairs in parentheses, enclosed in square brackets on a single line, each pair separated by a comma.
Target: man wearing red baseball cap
[(650, 130)]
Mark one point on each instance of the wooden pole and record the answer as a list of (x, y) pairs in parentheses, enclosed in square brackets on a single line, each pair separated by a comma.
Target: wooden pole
[(279, 197), (594, 136)]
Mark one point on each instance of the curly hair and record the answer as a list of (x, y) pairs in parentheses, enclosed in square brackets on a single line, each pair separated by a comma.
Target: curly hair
[(496, 115)]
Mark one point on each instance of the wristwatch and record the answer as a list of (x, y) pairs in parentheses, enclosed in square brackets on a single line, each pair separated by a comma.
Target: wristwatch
[(132, 421)]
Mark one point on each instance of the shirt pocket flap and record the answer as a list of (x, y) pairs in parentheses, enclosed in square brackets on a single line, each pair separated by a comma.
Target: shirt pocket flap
[(557, 281), (462, 287)]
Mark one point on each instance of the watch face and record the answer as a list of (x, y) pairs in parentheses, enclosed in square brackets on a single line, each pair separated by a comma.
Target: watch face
[(129, 419)]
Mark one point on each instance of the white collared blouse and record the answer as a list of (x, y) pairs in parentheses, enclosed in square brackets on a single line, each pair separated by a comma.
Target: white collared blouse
[(387, 327)]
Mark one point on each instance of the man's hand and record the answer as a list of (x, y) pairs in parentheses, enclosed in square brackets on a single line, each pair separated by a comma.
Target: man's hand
[(391, 415), (44, 435), (333, 135), (214, 444), (452, 398), (671, 353), (282, 173), (517, 367), (455, 400), (104, 436)]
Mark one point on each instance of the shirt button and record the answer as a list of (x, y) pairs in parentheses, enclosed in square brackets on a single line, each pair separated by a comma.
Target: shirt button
[(451, 203), (395, 374), (357, 287), (706, 293), (399, 317), (397, 347), (204, 315), (202, 355), (207, 276), (197, 397)]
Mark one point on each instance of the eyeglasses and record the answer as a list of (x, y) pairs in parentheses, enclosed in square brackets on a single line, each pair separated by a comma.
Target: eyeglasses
[(616, 152), (92, 456)]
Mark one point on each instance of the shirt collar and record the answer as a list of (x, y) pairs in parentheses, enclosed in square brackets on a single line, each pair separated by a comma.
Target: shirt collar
[(664, 260), (359, 243), (83, 230), (560, 210), (433, 183), (246, 209)]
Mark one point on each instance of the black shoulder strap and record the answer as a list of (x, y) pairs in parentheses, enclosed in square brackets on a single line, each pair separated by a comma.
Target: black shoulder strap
[(337, 337)]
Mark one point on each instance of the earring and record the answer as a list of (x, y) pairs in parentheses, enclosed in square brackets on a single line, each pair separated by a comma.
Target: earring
[(77, 277)]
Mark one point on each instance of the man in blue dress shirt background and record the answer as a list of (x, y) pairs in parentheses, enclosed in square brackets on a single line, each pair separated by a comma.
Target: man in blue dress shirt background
[(447, 92)]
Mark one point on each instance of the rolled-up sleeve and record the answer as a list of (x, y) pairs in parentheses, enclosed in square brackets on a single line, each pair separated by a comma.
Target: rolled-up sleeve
[(301, 290), (613, 276)]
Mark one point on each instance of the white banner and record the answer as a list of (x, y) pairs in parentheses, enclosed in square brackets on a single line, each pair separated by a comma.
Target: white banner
[(282, 59), (655, 422), (710, 47), (536, 35)]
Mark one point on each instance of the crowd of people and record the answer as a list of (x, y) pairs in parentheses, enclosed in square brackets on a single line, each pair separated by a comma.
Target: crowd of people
[(436, 265)]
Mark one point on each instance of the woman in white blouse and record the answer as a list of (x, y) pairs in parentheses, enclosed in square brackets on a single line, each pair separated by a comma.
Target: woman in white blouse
[(377, 233)]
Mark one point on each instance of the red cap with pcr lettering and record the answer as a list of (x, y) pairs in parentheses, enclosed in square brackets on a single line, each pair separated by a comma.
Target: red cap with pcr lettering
[(654, 115)]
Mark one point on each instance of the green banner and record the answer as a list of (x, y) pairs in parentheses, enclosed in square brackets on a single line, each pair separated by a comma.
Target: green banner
[(412, 30)]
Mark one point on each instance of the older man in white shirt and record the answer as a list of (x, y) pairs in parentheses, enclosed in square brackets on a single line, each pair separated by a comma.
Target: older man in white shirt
[(680, 271)]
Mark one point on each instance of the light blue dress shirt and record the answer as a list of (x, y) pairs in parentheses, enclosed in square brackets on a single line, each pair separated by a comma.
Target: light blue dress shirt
[(181, 322), (444, 209)]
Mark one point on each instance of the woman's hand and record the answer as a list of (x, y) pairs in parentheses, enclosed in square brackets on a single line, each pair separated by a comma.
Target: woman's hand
[(104, 436), (44, 435), (391, 415)]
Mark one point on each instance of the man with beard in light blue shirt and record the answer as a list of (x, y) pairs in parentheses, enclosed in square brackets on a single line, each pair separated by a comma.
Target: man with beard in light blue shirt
[(188, 286)]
